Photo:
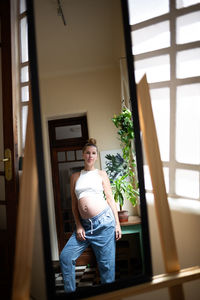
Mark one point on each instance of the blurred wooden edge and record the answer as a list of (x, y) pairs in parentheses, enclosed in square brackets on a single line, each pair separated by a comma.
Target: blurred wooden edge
[(28, 198), (151, 147), (171, 280)]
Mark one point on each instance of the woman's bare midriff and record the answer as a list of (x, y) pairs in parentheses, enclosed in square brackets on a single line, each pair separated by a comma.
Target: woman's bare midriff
[(90, 207)]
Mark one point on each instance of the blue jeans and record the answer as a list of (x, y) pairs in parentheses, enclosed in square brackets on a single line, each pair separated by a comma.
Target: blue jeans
[(100, 234)]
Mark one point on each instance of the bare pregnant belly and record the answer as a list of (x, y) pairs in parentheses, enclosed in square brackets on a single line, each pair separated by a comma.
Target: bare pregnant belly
[(90, 207)]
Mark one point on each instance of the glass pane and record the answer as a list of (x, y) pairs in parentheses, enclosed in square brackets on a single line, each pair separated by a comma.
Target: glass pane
[(188, 28), (24, 74), (61, 156), (68, 132), (3, 223), (22, 6), (147, 177), (188, 63), (141, 10), (79, 154), (148, 184), (24, 123), (151, 38), (24, 93), (185, 3), (166, 178), (70, 155), (161, 111), (188, 124), (24, 39), (157, 69), (187, 183), (65, 172)]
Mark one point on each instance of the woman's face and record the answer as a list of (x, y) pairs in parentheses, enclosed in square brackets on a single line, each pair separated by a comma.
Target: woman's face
[(90, 155)]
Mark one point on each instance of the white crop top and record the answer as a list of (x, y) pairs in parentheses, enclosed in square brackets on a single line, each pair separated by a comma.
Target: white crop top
[(89, 184)]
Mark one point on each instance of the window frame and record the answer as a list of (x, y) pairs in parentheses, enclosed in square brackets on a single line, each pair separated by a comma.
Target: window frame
[(172, 84), (22, 104)]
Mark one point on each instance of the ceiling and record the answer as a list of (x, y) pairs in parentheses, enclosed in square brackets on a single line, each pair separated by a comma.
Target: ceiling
[(92, 38)]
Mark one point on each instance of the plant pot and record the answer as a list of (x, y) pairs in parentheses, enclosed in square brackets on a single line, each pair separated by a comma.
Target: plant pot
[(123, 216)]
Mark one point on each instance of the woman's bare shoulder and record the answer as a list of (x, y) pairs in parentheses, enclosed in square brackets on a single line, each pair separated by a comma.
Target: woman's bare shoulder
[(103, 173)]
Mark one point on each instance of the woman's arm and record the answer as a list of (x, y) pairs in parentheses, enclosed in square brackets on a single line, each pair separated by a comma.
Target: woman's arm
[(111, 202), (79, 228)]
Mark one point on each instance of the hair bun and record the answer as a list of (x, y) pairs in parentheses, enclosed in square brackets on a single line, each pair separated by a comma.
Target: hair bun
[(92, 141)]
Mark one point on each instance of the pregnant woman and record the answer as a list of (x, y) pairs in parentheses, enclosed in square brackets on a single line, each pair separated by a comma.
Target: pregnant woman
[(96, 220)]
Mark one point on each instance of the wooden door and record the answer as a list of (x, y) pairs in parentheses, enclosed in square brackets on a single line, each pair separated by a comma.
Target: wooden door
[(66, 161), (8, 178), (67, 138)]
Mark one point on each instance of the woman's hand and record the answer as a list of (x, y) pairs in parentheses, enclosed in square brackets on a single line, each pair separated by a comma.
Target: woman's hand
[(118, 232), (80, 234)]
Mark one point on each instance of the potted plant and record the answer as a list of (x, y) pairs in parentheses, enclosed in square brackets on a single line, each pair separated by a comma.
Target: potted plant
[(120, 169)]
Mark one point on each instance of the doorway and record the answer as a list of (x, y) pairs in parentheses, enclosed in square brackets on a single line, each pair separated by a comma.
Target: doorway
[(67, 138)]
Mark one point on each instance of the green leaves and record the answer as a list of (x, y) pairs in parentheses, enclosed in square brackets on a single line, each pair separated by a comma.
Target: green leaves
[(126, 133), (123, 189), (122, 174), (115, 166)]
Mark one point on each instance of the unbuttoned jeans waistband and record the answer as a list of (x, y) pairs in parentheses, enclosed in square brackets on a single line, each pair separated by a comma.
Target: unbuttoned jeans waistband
[(95, 218)]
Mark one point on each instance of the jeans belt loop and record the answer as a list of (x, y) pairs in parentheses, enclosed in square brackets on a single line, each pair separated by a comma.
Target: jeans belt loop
[(91, 226)]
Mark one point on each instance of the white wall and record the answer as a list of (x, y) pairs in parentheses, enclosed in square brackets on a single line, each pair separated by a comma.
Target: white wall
[(95, 93)]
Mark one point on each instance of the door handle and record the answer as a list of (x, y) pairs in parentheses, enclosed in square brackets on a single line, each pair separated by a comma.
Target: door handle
[(7, 164), (4, 159)]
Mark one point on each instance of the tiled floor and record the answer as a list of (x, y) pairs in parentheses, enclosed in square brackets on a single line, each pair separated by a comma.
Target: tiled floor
[(89, 276), (85, 276)]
